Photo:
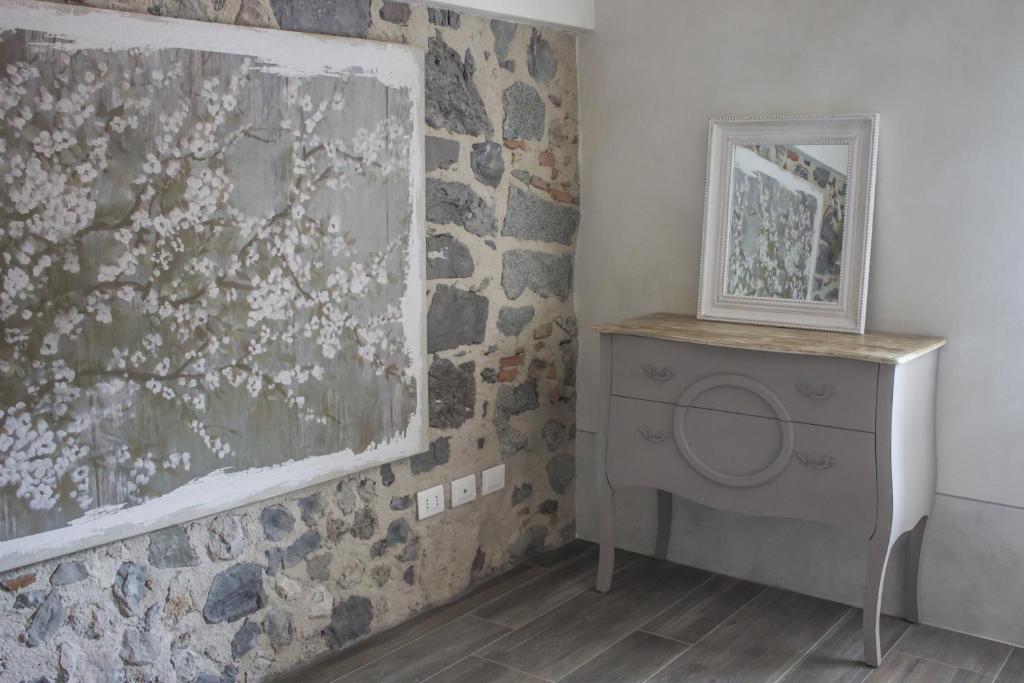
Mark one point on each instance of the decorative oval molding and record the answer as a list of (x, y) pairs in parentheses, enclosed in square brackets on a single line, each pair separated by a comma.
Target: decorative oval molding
[(762, 476)]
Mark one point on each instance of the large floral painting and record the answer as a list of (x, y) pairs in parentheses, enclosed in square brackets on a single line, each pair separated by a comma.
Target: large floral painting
[(210, 281)]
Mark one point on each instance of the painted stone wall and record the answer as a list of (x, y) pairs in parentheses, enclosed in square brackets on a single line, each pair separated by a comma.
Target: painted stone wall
[(260, 589)]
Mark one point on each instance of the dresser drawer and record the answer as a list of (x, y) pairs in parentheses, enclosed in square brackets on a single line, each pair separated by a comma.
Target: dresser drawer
[(823, 391), (744, 463)]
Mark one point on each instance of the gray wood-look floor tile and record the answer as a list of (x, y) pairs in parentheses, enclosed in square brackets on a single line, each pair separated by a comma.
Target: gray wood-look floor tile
[(698, 613), (758, 643), (551, 558), (476, 670), (632, 659), (561, 640), (426, 656), (565, 581), (336, 664), (839, 657), (901, 668), (955, 649), (1013, 670)]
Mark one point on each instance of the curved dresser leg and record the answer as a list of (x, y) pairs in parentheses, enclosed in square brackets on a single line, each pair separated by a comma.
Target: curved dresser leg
[(664, 524), (878, 558), (914, 542), (606, 558)]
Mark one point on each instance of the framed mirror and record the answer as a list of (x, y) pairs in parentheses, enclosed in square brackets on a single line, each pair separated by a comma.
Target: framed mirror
[(787, 220)]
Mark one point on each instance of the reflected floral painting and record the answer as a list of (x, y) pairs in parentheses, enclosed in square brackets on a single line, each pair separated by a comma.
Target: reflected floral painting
[(786, 225), (204, 259)]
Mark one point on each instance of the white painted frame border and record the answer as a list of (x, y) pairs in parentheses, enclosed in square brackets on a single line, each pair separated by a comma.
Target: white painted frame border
[(574, 15), (394, 65), (860, 131)]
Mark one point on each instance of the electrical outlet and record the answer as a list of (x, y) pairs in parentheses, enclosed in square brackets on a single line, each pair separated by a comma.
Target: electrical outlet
[(463, 490), (492, 480), (430, 501)]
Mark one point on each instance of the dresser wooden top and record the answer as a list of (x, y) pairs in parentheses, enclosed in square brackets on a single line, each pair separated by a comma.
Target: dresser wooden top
[(873, 347)]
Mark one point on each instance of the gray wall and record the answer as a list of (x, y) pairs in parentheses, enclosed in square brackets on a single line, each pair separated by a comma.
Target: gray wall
[(948, 80)]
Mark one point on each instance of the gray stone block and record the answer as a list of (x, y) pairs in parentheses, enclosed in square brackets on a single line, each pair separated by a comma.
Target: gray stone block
[(451, 393), (349, 620), (456, 317), (350, 18), (487, 163), (170, 548), (457, 203), (512, 319), (524, 113), (453, 102), (440, 153), (447, 258), (540, 58), (531, 217), (544, 274), (236, 592)]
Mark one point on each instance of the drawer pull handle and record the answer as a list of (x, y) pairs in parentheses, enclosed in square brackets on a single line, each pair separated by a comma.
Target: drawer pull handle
[(815, 462), (659, 374), (652, 435), (820, 392)]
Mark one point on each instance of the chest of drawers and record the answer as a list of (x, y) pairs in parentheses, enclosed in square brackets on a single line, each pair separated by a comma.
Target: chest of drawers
[(822, 426)]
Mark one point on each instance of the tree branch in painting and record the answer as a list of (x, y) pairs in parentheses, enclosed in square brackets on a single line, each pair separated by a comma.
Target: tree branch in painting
[(137, 281)]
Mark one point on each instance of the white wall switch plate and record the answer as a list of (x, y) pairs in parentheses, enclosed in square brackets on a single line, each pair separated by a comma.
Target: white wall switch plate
[(463, 490), (430, 501), (492, 480)]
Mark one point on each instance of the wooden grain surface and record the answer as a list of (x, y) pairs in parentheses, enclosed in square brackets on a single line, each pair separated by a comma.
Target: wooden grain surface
[(776, 637), (873, 347)]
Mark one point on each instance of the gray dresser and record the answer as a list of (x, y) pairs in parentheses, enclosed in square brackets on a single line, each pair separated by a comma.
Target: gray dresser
[(830, 427)]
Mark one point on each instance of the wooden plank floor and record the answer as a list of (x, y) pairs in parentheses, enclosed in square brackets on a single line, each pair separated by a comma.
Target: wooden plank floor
[(542, 622)]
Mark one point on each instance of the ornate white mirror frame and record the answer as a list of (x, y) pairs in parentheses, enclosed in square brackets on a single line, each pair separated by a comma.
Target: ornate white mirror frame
[(846, 313)]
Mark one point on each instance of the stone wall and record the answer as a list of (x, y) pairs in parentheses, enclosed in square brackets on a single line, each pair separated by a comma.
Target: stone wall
[(260, 589)]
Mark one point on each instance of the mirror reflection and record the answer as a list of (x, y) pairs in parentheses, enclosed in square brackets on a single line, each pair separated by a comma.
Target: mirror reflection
[(787, 212)]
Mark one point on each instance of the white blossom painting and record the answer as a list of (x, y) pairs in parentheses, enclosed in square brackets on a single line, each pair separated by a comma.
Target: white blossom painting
[(774, 225), (211, 282)]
